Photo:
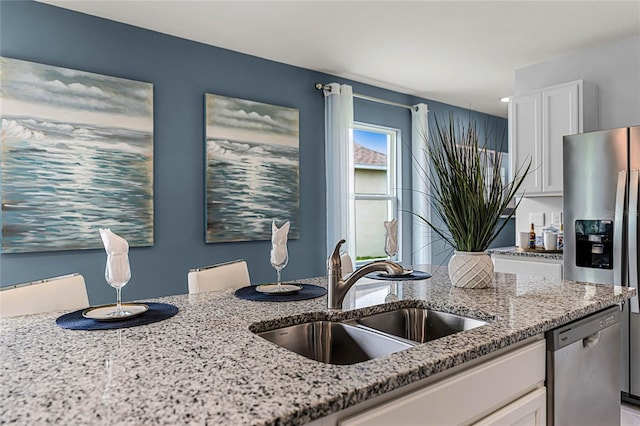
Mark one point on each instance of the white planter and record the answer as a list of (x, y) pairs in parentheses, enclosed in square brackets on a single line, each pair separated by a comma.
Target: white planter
[(471, 269)]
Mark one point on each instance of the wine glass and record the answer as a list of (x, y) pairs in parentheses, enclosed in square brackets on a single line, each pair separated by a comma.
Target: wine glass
[(393, 293), (279, 259), (390, 246), (117, 274)]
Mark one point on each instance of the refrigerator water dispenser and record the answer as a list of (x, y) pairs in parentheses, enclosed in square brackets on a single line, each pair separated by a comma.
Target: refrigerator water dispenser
[(594, 244)]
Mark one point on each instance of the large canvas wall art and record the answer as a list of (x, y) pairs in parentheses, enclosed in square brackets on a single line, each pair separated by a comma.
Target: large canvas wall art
[(252, 175), (77, 155)]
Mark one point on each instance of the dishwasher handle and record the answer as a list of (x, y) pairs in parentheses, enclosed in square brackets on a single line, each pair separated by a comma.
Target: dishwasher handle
[(591, 341)]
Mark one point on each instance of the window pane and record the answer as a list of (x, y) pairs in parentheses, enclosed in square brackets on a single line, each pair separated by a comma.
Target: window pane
[(370, 162), (370, 231)]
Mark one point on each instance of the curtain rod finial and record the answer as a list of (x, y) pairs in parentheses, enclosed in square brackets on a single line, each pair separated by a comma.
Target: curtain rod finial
[(319, 86)]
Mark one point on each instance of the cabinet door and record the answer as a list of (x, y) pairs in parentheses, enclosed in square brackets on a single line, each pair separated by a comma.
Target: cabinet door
[(530, 410), (525, 140), (464, 397), (560, 117)]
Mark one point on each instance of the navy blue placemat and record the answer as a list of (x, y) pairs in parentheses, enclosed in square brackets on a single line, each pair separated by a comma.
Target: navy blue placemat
[(157, 312), (414, 276), (309, 291)]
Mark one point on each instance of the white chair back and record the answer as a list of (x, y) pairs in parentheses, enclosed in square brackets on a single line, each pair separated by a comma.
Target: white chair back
[(234, 274), (67, 292), (346, 263)]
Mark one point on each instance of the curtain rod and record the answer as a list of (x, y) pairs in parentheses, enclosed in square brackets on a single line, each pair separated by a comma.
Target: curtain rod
[(320, 86)]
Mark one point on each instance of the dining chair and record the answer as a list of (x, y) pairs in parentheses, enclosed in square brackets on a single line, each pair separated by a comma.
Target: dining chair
[(346, 263), (66, 292), (234, 274)]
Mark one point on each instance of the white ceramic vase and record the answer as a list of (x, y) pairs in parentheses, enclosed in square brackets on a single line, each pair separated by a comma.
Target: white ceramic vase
[(471, 269)]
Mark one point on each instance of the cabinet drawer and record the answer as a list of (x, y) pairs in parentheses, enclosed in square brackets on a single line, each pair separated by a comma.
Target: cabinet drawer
[(464, 397), (530, 410)]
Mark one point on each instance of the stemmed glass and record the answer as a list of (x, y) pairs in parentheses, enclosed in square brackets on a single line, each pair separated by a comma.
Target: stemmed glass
[(117, 274), (279, 260), (390, 248)]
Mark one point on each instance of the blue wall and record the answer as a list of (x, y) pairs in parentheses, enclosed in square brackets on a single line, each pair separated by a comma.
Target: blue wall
[(181, 72)]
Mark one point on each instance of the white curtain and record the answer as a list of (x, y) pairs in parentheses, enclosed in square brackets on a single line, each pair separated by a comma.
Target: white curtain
[(420, 187), (338, 121)]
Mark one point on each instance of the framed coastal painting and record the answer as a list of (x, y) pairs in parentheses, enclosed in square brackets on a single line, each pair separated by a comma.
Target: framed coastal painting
[(77, 155), (252, 163)]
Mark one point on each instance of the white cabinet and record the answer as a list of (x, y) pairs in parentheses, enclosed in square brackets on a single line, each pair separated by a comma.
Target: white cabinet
[(525, 139), (537, 123), (530, 410), (497, 391), (546, 268)]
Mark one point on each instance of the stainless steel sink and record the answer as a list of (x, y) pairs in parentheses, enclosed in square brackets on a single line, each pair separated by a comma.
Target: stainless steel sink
[(418, 324), (334, 342), (372, 336)]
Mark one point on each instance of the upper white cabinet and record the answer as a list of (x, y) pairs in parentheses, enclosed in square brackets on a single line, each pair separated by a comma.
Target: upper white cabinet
[(537, 123), (525, 139)]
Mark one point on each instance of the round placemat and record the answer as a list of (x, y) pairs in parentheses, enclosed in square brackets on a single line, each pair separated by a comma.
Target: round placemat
[(309, 291), (414, 276), (157, 312)]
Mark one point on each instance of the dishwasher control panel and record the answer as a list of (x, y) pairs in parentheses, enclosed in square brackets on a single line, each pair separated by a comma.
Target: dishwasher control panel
[(582, 328), (608, 320)]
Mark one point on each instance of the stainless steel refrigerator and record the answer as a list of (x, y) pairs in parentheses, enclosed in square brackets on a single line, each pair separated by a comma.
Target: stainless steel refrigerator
[(601, 179)]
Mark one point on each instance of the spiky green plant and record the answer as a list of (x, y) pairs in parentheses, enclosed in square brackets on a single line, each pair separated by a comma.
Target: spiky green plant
[(467, 193)]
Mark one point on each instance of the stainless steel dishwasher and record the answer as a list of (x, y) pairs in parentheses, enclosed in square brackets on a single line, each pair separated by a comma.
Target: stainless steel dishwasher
[(583, 371)]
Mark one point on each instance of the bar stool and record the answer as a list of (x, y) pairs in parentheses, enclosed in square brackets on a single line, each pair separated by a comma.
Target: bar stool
[(234, 274), (346, 264), (65, 292)]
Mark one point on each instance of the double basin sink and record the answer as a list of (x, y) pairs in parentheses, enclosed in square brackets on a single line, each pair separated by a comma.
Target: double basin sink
[(367, 337)]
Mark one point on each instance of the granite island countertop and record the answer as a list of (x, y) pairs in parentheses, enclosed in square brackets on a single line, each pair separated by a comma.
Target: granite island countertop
[(204, 366)]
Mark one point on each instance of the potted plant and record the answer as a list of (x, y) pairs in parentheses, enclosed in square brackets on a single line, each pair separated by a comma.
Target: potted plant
[(468, 196)]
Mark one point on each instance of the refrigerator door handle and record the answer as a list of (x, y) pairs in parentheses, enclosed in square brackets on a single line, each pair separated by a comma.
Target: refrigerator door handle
[(634, 179), (618, 227)]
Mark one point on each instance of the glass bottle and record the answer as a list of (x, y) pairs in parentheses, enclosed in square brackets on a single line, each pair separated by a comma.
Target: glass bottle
[(560, 244), (532, 237)]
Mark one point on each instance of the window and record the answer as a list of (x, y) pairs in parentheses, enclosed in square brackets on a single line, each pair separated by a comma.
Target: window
[(375, 168)]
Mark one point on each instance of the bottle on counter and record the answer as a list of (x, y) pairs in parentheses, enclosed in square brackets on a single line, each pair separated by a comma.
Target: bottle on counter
[(532, 237), (560, 245)]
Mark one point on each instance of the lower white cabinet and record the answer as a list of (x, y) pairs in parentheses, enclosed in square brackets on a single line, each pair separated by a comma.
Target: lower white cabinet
[(530, 410), (546, 268), (508, 389)]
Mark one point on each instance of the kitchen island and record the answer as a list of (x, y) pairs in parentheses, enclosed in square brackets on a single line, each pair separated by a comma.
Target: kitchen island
[(204, 366)]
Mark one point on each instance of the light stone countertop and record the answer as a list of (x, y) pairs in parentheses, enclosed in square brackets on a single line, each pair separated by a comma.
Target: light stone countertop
[(512, 251), (204, 366)]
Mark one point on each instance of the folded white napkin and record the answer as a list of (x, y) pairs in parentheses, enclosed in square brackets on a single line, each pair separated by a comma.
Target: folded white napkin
[(117, 249), (279, 243), (391, 240)]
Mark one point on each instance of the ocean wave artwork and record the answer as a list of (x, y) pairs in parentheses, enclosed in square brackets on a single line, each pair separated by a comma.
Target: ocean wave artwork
[(252, 169), (77, 155)]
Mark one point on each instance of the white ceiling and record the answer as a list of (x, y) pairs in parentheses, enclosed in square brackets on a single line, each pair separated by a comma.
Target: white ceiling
[(459, 52)]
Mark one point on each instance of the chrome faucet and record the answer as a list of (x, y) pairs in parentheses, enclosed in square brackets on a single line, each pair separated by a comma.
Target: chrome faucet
[(337, 287)]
